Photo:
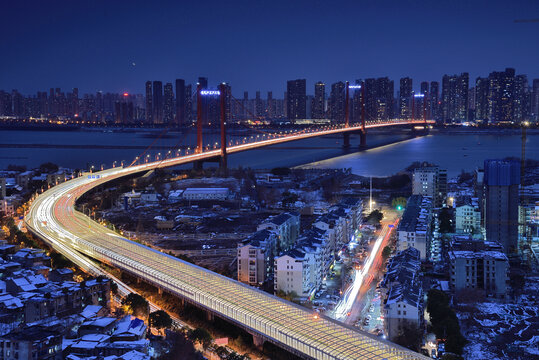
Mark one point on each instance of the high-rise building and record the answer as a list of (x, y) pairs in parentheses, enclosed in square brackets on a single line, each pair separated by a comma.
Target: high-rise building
[(123, 110), (228, 102), (203, 81), (259, 105), (157, 102), (535, 100), (521, 99), (337, 102), (18, 104), (270, 106), (501, 97), (425, 88), (356, 95), (180, 102), (501, 181), (5, 103), (430, 181), (74, 102), (296, 99), (405, 98), (455, 98), (210, 106), (168, 107), (188, 104), (42, 98), (378, 100), (481, 99), (434, 97), (319, 101), (149, 103)]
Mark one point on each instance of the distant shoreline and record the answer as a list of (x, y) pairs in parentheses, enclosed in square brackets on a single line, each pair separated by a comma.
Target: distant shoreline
[(451, 130)]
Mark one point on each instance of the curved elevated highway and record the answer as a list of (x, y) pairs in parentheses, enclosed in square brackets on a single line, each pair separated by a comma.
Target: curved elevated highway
[(53, 218)]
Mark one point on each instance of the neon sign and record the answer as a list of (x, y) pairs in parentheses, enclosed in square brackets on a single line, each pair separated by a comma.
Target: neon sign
[(354, 86), (210, 92)]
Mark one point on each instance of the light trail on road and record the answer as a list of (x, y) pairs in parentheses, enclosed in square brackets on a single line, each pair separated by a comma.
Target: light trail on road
[(349, 297)]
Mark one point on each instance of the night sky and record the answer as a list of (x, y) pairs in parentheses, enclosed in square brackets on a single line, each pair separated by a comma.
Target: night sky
[(117, 45)]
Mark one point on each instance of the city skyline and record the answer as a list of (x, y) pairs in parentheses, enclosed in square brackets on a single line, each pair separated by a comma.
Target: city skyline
[(503, 96), (65, 49)]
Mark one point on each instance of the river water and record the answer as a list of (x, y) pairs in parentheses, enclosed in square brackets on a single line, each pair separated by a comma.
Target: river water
[(84, 148)]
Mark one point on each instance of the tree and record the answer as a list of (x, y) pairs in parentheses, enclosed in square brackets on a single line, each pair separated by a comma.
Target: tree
[(399, 203), (446, 220), (17, 168), (375, 217), (386, 252), (289, 199), (48, 167), (160, 320), (235, 356), (114, 287), (180, 344), (59, 261), (136, 305), (517, 282), (444, 321), (410, 337), (464, 177), (280, 171), (201, 336)]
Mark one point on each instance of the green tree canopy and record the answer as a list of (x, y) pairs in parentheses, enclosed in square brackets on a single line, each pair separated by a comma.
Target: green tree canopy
[(375, 217), (446, 220), (202, 336), (160, 319), (386, 252), (48, 167), (136, 305), (444, 321), (280, 171)]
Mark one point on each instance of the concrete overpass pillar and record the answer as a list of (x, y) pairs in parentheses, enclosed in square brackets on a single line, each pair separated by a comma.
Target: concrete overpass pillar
[(258, 341), (209, 316), (363, 139), (346, 140)]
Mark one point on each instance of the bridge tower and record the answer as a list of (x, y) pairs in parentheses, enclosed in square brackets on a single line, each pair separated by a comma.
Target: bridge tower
[(199, 148), (363, 135), (223, 162), (346, 135)]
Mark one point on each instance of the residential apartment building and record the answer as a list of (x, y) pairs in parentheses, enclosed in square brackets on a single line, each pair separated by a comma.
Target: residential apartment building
[(467, 215), (414, 229), (292, 273), (478, 265), (255, 257), (36, 342), (402, 293), (430, 181), (286, 225)]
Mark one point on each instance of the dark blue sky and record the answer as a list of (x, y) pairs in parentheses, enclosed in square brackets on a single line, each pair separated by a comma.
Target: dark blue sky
[(258, 45)]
